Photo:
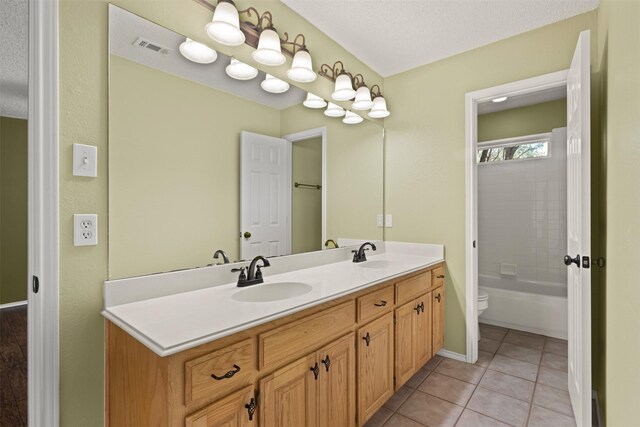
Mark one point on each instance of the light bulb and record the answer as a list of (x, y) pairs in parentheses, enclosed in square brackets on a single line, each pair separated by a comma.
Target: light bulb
[(240, 71), (343, 88), (197, 52), (352, 118), (379, 109), (363, 99), (225, 25), (314, 101), (268, 51), (301, 68), (274, 85), (334, 110)]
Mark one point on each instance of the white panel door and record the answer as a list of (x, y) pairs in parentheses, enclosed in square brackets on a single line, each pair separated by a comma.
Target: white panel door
[(264, 196), (579, 230)]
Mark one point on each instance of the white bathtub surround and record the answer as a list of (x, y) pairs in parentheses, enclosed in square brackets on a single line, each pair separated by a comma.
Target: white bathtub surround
[(172, 312)]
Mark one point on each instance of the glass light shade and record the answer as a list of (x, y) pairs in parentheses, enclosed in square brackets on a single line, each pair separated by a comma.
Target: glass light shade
[(379, 109), (274, 85), (302, 68), (197, 52), (343, 89), (225, 25), (352, 118), (334, 110), (314, 101), (240, 71), (363, 99), (268, 51)]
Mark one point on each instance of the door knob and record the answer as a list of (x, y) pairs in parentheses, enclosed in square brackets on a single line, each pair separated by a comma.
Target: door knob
[(568, 260), (246, 234)]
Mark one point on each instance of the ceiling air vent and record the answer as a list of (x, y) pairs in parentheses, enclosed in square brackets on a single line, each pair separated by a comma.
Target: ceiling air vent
[(144, 43)]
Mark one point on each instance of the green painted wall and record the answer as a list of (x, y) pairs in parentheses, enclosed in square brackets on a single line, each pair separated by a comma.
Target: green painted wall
[(306, 203), (13, 210), (529, 120)]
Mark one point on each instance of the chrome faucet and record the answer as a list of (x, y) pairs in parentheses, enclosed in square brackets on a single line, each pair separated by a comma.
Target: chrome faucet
[(335, 245), (225, 258), (359, 255), (254, 274)]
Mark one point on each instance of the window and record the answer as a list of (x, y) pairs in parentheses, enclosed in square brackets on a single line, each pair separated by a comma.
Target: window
[(520, 148)]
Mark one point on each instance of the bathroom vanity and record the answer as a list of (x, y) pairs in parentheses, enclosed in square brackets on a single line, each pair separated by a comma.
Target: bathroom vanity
[(329, 357)]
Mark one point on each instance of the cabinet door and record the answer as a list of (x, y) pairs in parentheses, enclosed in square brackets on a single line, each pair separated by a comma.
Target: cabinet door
[(375, 366), (405, 351), (229, 412), (337, 383), (422, 334), (288, 396), (438, 319)]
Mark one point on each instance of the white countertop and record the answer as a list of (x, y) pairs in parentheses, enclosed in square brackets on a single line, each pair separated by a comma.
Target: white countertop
[(174, 323)]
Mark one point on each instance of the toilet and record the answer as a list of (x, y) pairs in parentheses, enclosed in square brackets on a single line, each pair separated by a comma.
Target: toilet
[(483, 304)]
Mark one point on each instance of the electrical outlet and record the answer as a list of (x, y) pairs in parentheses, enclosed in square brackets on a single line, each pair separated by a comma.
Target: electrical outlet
[(380, 220), (388, 221), (85, 229)]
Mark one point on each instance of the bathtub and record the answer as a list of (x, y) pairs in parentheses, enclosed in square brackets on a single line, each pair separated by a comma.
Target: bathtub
[(536, 307)]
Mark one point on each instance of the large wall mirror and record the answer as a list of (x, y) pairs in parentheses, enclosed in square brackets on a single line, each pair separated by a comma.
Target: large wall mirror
[(199, 161)]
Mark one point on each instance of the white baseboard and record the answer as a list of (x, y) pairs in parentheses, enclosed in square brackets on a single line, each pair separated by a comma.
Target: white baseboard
[(452, 355), (539, 331), (13, 304)]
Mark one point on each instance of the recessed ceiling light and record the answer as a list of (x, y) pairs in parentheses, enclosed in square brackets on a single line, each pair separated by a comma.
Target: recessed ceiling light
[(501, 99)]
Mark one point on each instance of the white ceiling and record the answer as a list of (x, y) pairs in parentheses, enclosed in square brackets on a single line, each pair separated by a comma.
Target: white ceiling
[(392, 36), (14, 58), (545, 95)]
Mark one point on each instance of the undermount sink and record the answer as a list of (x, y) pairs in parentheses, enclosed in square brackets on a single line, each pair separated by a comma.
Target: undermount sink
[(380, 263), (272, 292)]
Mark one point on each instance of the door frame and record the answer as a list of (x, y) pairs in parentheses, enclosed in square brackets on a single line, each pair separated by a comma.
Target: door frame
[(472, 99), (43, 252), (299, 136)]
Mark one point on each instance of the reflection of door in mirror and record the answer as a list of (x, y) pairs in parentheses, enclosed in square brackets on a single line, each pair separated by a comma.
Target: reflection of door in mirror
[(306, 200)]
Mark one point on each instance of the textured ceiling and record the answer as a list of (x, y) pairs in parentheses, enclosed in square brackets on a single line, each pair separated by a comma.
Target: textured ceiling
[(392, 36), (14, 58)]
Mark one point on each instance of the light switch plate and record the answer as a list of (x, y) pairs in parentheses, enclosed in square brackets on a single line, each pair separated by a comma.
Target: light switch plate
[(85, 229), (380, 220), (388, 220), (85, 160)]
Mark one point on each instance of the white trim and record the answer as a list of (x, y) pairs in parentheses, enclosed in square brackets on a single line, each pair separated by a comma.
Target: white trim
[(594, 396), (506, 142), (43, 214), (472, 99), (452, 355), (306, 134), (13, 304)]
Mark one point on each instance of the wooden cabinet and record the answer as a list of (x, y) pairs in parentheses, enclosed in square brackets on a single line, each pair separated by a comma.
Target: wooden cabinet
[(413, 337), (235, 410), (375, 366), (337, 383), (438, 318)]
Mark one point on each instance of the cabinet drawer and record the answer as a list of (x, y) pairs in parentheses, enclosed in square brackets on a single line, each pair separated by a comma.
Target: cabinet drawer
[(220, 371), (437, 275), (411, 288), (305, 335), (375, 303)]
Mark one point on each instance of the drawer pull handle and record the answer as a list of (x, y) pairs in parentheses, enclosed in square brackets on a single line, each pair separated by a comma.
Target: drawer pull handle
[(381, 304), (316, 370), (251, 408), (440, 276), (327, 362), (228, 374), (367, 339), (438, 297)]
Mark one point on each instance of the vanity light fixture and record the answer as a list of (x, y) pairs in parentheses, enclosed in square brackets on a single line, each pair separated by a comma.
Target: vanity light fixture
[(314, 101), (301, 70), (240, 71), (197, 52), (344, 81), (224, 28), (334, 110), (363, 98), (274, 85), (352, 118), (379, 109), (500, 99)]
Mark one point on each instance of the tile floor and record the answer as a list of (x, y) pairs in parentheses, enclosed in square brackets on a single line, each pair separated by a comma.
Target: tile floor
[(520, 379), (13, 367)]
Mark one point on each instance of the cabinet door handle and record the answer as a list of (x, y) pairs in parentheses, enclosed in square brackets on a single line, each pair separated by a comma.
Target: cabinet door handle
[(327, 362), (438, 297), (422, 306), (251, 408), (417, 309), (316, 370), (228, 374), (367, 339), (440, 276), (381, 304)]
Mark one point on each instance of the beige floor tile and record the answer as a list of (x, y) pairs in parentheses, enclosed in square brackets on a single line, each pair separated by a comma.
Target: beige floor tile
[(503, 408), (474, 419), (552, 398), (398, 398), (553, 378), (430, 410), (541, 417), (556, 346), (433, 362), (379, 418), (525, 354), (555, 361), (447, 388), (508, 384), (398, 420), (484, 358), (524, 339), (492, 332), (488, 345), (518, 368), (418, 377), (461, 370)]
